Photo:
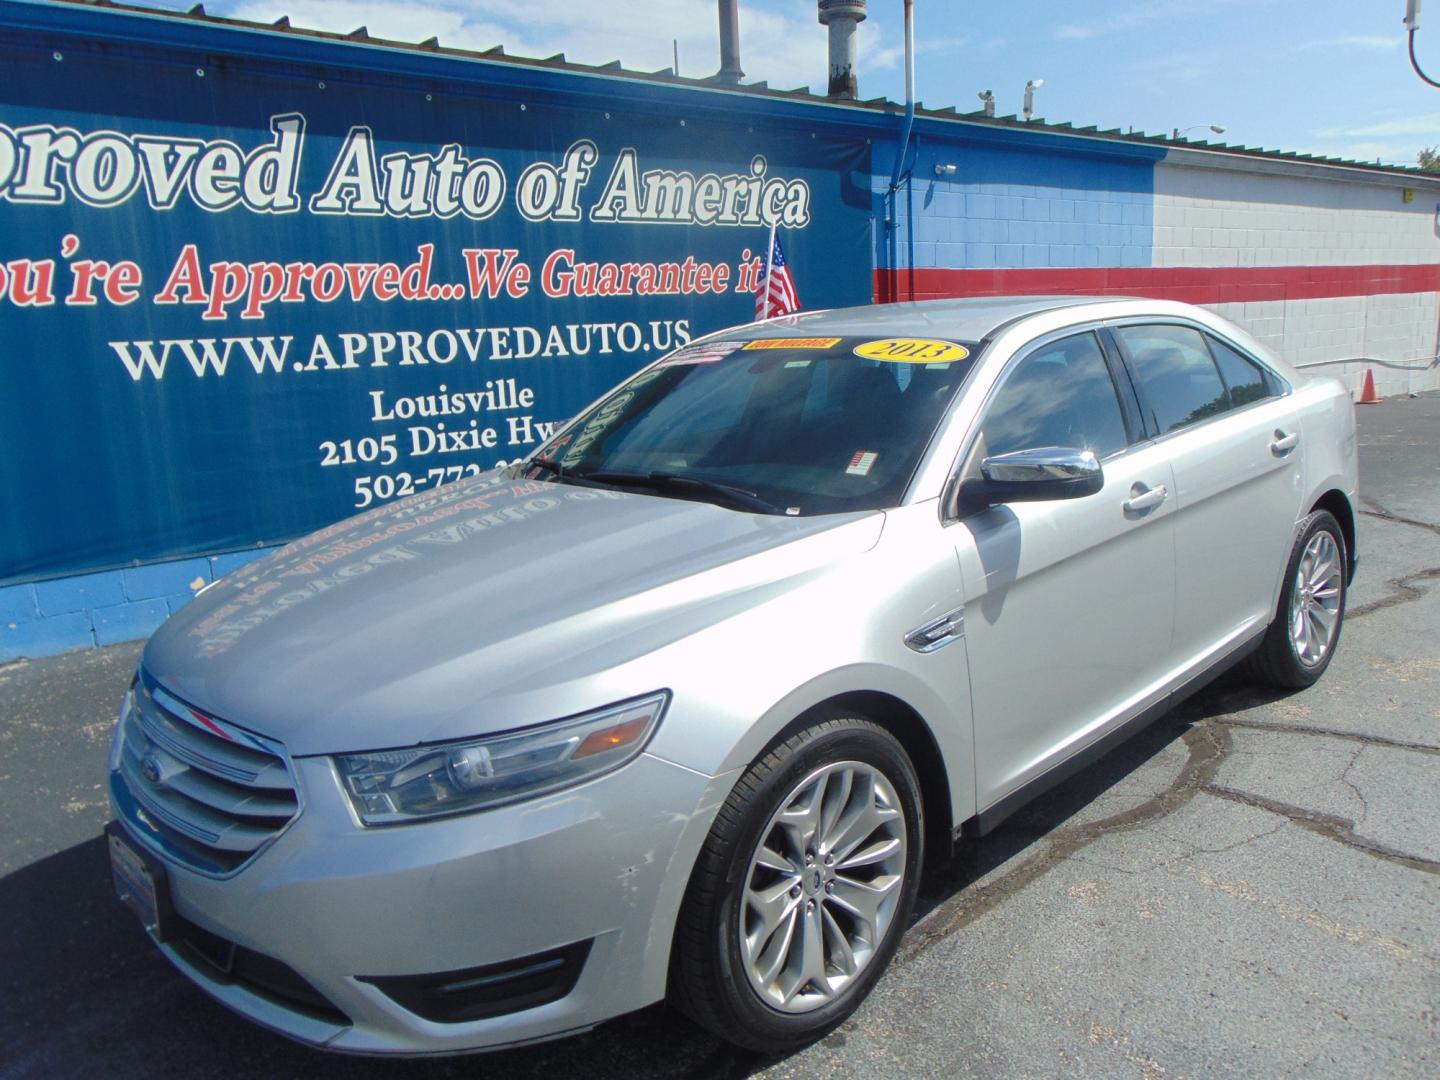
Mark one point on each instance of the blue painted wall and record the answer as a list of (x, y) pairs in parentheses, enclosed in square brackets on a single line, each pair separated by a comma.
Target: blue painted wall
[(1028, 201), (1017, 198), (47, 617)]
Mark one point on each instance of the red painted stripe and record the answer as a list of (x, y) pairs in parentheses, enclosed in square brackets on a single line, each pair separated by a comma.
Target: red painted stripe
[(1192, 284)]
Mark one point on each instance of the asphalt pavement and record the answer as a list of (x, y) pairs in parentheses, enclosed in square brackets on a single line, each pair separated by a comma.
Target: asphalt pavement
[(1251, 887)]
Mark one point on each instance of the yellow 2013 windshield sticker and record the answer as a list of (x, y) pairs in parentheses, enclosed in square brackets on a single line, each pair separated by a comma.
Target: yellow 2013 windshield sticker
[(912, 351)]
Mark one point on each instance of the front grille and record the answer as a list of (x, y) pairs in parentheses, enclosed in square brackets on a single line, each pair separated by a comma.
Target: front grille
[(204, 792)]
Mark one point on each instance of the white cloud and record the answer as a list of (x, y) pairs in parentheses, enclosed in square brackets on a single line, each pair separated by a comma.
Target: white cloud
[(1142, 15), (1127, 20), (1368, 42), (1388, 153), (1426, 126), (1182, 67)]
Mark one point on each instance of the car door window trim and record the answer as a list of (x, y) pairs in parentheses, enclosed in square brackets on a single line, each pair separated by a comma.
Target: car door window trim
[(1284, 389), (1094, 327)]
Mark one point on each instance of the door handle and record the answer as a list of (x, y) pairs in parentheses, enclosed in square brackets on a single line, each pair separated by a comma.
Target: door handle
[(1283, 443), (1143, 498)]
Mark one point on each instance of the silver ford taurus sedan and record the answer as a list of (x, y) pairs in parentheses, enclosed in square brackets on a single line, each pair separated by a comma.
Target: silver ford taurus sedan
[(674, 707)]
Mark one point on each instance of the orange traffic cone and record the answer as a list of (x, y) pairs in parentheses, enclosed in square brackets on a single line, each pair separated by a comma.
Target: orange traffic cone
[(1368, 396)]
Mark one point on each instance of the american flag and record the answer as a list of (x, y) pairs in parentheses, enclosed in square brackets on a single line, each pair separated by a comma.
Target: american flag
[(775, 296)]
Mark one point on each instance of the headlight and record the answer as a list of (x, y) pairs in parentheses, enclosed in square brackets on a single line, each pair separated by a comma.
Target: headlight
[(127, 705), (450, 778)]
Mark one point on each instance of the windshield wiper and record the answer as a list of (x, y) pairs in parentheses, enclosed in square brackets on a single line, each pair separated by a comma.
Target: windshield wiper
[(548, 464), (666, 481), (563, 473)]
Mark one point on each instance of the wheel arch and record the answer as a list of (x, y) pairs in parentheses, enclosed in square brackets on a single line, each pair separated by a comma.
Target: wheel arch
[(1336, 502), (902, 720)]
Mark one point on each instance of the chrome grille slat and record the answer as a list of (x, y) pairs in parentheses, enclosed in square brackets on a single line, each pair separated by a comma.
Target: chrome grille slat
[(204, 792), (197, 747), (212, 794), (221, 797)]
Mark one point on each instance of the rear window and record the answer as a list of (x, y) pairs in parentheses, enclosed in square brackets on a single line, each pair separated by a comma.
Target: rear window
[(1245, 379), (812, 425), (1177, 379)]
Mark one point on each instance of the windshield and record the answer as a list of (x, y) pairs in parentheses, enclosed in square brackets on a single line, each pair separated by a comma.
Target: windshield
[(799, 425)]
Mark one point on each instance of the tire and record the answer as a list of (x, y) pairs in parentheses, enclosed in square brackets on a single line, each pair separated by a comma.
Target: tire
[(779, 990), (1313, 596)]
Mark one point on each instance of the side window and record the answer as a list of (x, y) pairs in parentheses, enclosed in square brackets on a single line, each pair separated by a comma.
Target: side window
[(1059, 395), (1178, 381), (1245, 379)]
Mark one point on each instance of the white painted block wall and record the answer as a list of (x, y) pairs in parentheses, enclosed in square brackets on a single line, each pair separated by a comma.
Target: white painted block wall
[(1396, 328), (1233, 218)]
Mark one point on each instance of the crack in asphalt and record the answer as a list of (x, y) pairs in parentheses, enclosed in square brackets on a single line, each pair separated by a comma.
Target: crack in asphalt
[(1378, 510), (1328, 733), (1354, 788), (1335, 828), (1208, 747), (1405, 594), (1406, 590), (1209, 744)]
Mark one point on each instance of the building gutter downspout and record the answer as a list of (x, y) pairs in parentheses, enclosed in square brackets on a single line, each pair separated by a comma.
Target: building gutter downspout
[(909, 95), (903, 148)]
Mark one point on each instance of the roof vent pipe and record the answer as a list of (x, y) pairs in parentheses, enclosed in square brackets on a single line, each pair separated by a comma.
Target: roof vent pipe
[(842, 16), (730, 71)]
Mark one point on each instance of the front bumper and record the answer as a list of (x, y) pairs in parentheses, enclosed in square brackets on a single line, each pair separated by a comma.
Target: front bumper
[(604, 863)]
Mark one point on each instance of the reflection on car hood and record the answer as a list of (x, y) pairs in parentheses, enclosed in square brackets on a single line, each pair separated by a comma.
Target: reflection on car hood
[(480, 607)]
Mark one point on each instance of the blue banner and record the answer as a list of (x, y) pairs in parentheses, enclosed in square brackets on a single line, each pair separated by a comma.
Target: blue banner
[(239, 301)]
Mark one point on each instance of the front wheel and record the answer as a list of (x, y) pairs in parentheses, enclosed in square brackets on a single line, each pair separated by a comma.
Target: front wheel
[(803, 888), (1302, 639)]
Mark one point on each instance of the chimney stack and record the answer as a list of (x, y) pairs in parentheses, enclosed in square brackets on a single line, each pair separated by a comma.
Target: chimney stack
[(730, 71), (842, 16)]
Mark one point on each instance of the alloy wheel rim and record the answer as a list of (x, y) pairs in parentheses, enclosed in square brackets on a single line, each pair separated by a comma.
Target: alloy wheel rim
[(1315, 600), (823, 886)]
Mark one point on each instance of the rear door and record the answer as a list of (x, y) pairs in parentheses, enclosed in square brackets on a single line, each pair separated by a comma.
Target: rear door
[(1068, 602), (1232, 439)]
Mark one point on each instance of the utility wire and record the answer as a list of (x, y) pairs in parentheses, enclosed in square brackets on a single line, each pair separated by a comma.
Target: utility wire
[(1416, 64)]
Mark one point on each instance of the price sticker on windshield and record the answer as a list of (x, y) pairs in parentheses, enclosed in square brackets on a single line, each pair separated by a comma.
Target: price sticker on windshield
[(912, 351)]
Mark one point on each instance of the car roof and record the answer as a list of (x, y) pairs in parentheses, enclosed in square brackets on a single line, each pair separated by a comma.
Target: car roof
[(970, 319)]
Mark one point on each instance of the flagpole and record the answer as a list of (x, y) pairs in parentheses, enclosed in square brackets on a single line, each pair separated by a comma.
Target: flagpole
[(770, 267)]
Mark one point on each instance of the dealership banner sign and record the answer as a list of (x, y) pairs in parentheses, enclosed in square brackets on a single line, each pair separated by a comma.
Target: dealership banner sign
[(237, 304)]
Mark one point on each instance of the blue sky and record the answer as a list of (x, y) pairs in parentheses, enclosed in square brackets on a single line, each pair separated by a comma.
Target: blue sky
[(1318, 76)]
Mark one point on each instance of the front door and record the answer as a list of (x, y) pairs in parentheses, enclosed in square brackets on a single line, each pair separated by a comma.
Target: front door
[(1068, 602)]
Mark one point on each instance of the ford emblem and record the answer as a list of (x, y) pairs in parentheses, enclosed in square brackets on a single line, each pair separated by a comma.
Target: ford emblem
[(150, 766)]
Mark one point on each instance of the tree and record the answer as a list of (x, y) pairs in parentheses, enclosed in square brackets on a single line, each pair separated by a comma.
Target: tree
[(1429, 159)]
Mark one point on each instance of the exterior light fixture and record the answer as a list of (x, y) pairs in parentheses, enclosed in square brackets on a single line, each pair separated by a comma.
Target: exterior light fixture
[(1216, 128), (1030, 87)]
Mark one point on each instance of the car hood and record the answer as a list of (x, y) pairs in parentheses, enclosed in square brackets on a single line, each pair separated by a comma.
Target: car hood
[(481, 607)]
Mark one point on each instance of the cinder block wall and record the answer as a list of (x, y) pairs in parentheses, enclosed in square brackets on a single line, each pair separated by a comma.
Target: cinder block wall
[(49, 617), (1331, 267), (1010, 209), (1381, 250)]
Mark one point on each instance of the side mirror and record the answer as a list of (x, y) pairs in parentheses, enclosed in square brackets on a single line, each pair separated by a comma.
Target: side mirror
[(1038, 475)]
